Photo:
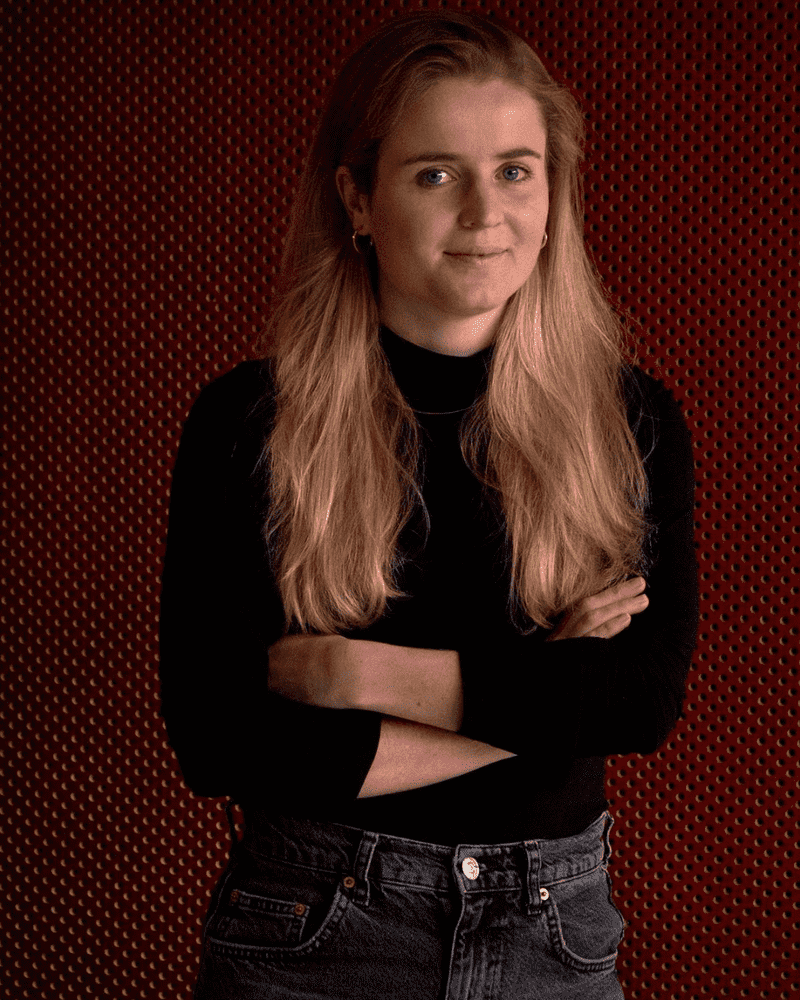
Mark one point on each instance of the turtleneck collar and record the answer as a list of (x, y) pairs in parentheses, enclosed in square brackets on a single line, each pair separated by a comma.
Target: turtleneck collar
[(432, 382)]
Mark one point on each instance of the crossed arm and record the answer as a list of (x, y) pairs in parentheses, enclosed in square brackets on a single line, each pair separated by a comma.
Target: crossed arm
[(418, 691)]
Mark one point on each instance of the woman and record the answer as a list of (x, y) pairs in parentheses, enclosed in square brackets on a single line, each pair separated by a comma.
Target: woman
[(404, 617)]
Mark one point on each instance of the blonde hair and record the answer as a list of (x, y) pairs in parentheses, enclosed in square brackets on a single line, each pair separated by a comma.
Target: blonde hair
[(549, 438)]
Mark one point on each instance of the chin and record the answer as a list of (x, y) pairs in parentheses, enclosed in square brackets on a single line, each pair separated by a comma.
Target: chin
[(474, 307)]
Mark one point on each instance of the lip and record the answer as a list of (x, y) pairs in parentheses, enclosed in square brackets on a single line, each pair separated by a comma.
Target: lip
[(477, 255)]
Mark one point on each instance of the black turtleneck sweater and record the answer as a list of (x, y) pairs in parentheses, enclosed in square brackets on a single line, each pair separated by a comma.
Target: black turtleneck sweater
[(562, 707)]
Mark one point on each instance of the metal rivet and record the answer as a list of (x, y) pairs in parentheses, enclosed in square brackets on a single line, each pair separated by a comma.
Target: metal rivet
[(234, 895), (300, 909), (471, 868), (544, 893), (349, 881)]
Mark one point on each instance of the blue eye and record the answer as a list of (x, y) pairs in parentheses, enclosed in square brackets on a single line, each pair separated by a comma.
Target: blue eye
[(427, 173), (423, 177)]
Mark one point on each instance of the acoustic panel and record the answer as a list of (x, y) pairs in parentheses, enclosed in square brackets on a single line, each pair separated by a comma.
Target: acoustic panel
[(151, 155)]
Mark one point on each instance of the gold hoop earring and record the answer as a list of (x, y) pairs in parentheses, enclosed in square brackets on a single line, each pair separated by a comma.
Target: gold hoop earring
[(355, 245)]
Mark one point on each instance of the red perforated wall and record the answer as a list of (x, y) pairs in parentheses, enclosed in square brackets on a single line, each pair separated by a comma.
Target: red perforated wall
[(151, 151)]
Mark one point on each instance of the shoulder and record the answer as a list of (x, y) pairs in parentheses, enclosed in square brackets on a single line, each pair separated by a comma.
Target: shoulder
[(231, 400), (648, 396), (231, 409), (663, 437), (654, 413), (238, 390)]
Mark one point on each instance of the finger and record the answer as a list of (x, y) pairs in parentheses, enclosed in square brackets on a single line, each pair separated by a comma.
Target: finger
[(619, 592), (610, 628), (628, 606), (590, 621), (588, 618)]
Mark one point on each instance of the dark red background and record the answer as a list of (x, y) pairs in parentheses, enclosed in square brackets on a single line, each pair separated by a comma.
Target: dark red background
[(152, 152)]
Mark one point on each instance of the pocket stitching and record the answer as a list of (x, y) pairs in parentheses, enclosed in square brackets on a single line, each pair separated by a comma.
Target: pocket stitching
[(323, 932), (267, 904), (252, 903)]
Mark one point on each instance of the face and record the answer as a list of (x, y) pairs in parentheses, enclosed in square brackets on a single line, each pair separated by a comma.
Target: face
[(459, 208)]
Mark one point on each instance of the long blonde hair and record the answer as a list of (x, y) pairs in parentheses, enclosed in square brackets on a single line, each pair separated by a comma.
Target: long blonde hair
[(549, 438)]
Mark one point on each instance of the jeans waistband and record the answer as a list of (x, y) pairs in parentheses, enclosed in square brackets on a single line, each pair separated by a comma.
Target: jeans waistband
[(530, 865)]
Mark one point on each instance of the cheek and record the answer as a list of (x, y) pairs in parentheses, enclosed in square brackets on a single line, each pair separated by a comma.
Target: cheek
[(392, 227), (405, 233)]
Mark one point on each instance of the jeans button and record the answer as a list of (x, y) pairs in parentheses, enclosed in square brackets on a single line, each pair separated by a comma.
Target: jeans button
[(471, 868)]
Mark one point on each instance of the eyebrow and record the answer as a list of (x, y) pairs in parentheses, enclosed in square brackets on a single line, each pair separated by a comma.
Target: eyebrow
[(510, 154)]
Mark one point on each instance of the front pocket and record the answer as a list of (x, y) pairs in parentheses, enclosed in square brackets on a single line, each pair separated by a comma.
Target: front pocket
[(269, 908), (259, 918), (584, 925)]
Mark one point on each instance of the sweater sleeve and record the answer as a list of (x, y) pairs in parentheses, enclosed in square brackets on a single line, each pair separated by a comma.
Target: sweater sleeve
[(589, 697), (220, 612)]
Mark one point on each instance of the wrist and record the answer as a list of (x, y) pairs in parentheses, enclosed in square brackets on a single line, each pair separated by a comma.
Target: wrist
[(369, 669), (406, 682), (344, 667)]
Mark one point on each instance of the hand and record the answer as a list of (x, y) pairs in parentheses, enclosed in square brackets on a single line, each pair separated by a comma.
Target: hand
[(605, 614), (313, 669)]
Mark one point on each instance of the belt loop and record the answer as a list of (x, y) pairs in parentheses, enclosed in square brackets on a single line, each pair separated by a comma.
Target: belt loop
[(366, 849), (534, 859), (607, 838)]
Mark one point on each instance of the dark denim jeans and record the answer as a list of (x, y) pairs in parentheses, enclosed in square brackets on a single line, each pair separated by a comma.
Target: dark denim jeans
[(308, 910)]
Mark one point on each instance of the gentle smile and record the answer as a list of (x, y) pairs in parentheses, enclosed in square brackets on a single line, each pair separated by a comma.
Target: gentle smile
[(479, 255)]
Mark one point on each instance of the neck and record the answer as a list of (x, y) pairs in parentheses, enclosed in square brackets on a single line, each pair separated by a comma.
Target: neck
[(455, 337)]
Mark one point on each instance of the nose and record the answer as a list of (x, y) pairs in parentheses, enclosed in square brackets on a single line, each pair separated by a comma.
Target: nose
[(481, 205)]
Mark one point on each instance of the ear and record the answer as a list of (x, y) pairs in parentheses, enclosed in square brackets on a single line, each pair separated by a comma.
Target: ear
[(356, 203)]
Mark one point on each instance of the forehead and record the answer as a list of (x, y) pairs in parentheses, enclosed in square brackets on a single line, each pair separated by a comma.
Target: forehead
[(469, 116)]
